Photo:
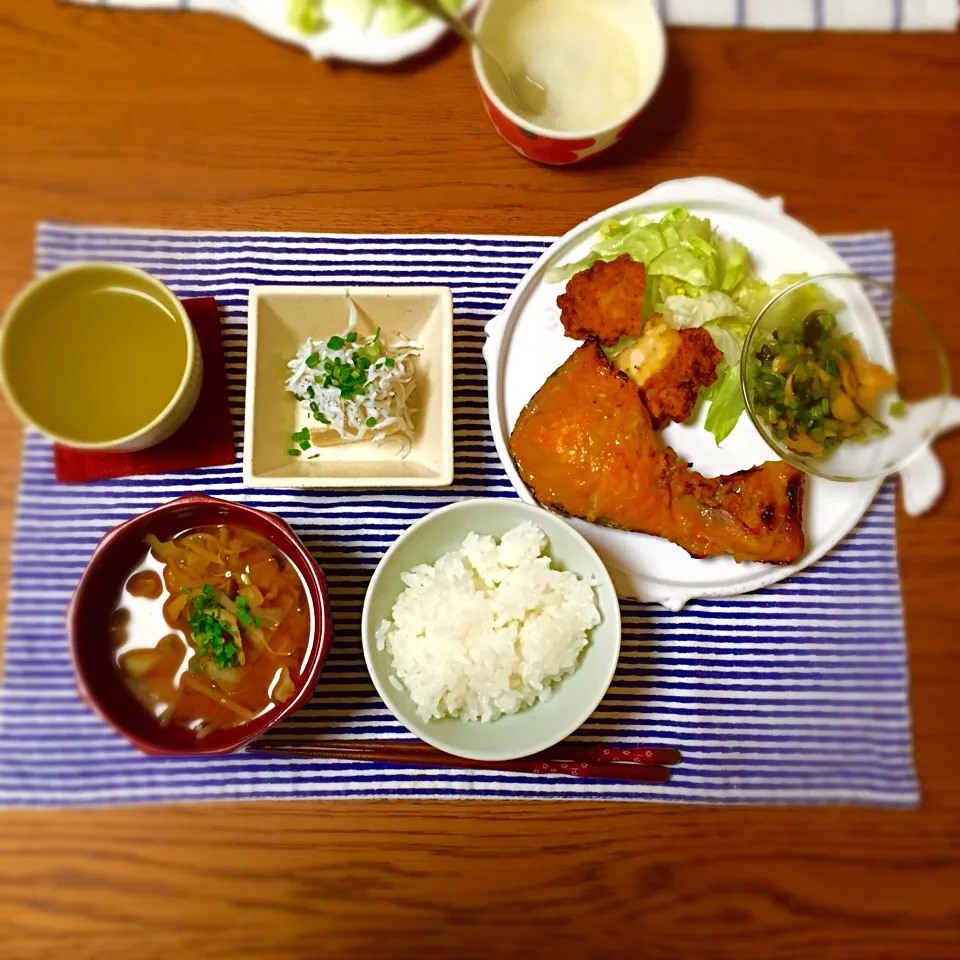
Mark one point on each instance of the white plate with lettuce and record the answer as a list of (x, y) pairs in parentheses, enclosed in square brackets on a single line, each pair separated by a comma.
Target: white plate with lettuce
[(718, 275), (359, 31)]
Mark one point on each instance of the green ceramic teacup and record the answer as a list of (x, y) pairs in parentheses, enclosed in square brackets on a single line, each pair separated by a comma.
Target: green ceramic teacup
[(100, 357)]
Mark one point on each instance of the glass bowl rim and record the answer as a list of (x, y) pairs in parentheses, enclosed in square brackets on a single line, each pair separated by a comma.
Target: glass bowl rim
[(806, 464)]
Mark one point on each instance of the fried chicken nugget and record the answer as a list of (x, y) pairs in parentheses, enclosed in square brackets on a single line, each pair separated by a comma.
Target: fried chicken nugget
[(670, 367), (605, 301)]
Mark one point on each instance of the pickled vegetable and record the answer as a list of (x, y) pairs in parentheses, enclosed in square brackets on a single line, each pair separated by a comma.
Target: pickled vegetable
[(814, 387)]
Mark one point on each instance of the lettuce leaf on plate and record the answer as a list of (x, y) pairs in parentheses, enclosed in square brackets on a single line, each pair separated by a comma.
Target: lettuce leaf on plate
[(306, 16), (391, 16), (686, 264), (696, 278), (726, 402), (688, 312), (398, 16)]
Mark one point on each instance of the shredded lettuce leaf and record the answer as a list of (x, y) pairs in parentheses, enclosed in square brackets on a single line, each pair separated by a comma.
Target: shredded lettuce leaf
[(617, 348), (687, 312), (306, 16), (358, 12), (799, 303), (696, 278), (725, 396), (733, 263), (729, 335), (726, 402), (686, 264), (398, 16), (390, 16)]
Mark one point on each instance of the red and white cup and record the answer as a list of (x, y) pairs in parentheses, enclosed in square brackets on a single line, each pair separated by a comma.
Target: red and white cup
[(642, 26)]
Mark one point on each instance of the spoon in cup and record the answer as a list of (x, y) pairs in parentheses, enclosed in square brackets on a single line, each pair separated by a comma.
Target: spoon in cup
[(529, 97)]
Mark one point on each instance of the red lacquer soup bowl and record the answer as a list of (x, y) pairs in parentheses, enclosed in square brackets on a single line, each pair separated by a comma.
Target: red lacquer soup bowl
[(100, 681)]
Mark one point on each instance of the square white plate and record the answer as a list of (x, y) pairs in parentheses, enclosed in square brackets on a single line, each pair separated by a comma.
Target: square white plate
[(280, 319)]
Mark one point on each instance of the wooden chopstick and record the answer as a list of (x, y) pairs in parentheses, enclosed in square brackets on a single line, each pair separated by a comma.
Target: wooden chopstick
[(664, 756), (575, 760)]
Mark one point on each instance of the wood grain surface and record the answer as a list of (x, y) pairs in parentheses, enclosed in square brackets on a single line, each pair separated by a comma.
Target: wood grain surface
[(180, 120)]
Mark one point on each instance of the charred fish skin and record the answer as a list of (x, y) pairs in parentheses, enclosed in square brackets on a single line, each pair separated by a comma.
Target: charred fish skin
[(585, 447)]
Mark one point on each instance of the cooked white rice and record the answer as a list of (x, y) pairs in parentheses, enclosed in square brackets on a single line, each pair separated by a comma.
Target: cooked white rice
[(488, 629)]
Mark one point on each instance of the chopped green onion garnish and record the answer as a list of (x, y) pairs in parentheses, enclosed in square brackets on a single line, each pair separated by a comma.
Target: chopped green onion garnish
[(211, 635), (389, 362), (335, 343), (313, 360), (898, 409), (351, 336), (304, 444), (243, 610), (371, 421), (293, 452)]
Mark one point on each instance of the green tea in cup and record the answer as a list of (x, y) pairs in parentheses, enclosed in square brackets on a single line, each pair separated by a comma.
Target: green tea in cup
[(100, 356)]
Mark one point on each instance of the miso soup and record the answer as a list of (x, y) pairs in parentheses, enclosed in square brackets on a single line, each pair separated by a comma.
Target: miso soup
[(212, 629)]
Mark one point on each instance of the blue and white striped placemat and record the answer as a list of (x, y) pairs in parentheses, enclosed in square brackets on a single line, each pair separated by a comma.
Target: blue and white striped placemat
[(755, 14), (797, 694)]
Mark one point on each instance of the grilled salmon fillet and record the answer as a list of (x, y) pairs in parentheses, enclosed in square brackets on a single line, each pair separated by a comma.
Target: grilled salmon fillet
[(586, 447)]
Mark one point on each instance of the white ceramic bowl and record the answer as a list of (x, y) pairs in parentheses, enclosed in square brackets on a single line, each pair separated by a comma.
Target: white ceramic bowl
[(575, 698)]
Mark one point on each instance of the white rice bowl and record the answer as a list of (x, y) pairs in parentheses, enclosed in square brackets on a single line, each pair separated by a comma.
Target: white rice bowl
[(489, 628)]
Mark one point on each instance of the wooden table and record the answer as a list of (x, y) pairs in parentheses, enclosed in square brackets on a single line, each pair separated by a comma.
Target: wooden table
[(193, 121)]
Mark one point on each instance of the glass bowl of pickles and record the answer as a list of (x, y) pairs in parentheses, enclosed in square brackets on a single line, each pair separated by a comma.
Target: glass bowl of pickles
[(845, 377)]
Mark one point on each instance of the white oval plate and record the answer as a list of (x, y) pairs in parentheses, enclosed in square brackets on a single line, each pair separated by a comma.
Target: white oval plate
[(526, 343), (342, 40)]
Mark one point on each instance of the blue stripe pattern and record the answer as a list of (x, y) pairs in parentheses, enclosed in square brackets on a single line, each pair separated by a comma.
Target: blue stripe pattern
[(796, 694)]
